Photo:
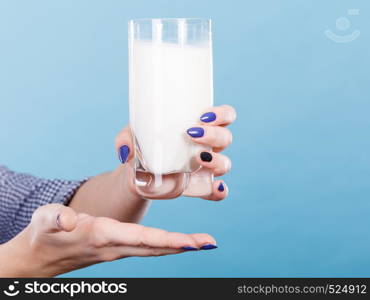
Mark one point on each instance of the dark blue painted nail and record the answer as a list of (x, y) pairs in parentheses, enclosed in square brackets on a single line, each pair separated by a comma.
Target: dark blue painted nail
[(188, 248), (124, 151), (195, 132), (221, 187), (208, 117), (206, 156), (208, 247)]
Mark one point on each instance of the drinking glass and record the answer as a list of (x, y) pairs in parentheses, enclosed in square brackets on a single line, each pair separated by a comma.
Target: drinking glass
[(170, 86)]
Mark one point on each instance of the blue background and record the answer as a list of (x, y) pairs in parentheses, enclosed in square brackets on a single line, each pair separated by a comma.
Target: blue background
[(300, 186)]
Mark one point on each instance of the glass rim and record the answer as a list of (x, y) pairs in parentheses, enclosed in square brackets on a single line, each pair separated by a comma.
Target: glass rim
[(170, 19)]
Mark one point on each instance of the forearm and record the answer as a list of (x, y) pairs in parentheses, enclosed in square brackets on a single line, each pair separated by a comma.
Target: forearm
[(110, 195)]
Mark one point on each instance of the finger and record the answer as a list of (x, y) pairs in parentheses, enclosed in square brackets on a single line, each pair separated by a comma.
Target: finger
[(219, 115), (140, 251), (124, 145), (174, 240), (113, 253), (219, 164), (153, 237), (219, 191), (214, 136), (138, 235), (130, 234), (54, 217)]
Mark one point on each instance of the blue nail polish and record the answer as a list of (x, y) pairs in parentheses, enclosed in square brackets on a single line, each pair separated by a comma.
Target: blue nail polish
[(208, 247), (195, 132), (208, 117), (124, 151), (221, 187), (188, 248)]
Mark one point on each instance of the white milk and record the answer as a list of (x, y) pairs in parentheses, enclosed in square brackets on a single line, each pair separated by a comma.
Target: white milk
[(170, 87)]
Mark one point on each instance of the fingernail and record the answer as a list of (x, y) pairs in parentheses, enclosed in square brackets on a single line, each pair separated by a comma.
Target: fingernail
[(58, 222), (195, 132), (208, 247), (208, 117), (188, 248), (221, 187), (124, 151), (206, 156)]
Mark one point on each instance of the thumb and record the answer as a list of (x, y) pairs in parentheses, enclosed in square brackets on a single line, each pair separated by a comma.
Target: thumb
[(54, 217), (124, 145)]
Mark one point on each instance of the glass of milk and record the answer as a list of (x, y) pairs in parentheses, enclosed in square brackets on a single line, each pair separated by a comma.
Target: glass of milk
[(170, 86)]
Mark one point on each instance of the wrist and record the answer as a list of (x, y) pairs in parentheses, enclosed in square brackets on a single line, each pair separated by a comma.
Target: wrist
[(111, 194), (133, 204), (124, 175)]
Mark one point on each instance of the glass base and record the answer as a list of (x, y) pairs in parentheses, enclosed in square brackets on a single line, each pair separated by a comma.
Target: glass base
[(169, 186), (158, 186)]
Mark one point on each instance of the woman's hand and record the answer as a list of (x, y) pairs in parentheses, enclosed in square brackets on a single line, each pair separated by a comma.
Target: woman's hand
[(59, 240), (113, 194), (210, 132)]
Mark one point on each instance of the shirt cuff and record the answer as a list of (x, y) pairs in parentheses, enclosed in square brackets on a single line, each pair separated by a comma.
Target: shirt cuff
[(68, 190)]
